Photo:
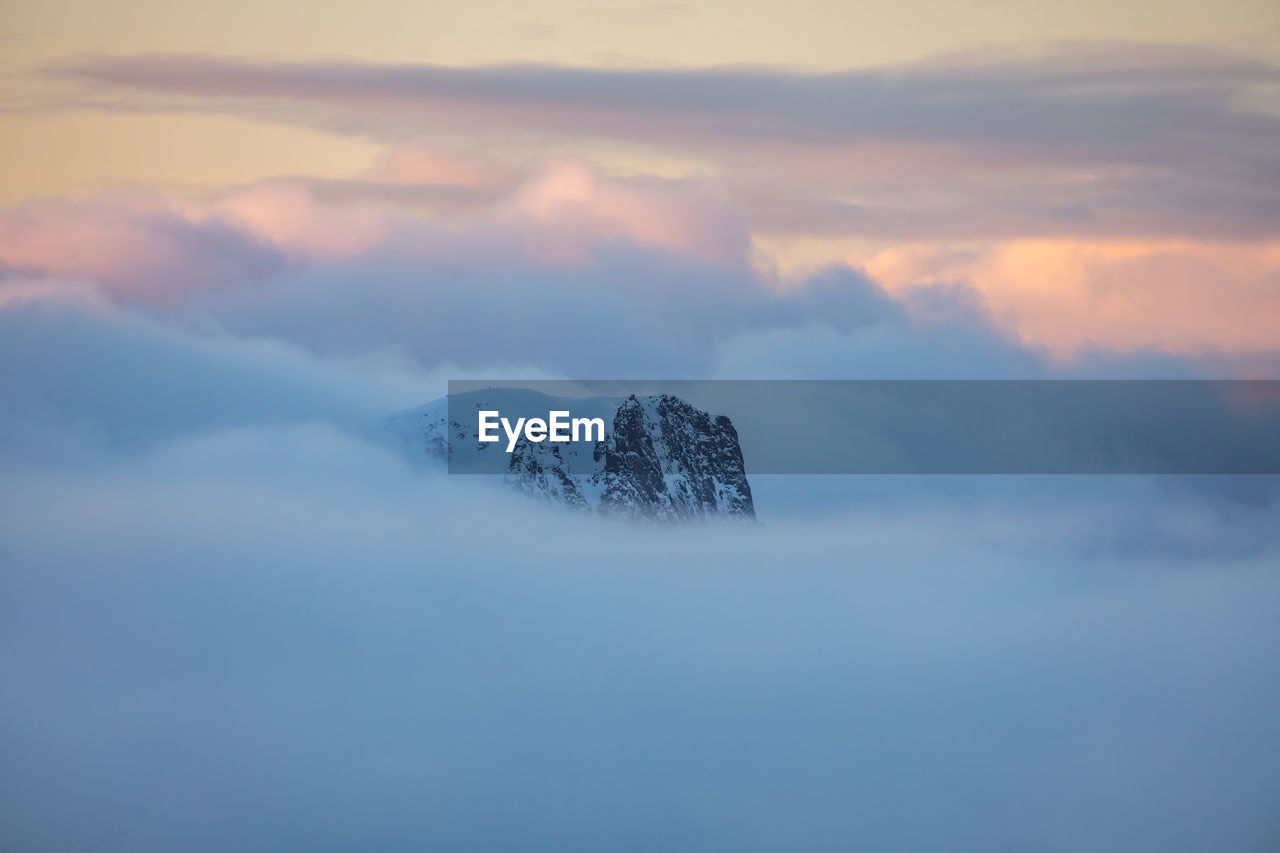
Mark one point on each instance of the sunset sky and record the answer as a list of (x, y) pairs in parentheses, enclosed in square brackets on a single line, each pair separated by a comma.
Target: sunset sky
[(247, 246), (1091, 176)]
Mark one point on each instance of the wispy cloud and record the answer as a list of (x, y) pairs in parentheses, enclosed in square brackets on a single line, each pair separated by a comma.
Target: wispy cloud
[(1083, 139), (1122, 101)]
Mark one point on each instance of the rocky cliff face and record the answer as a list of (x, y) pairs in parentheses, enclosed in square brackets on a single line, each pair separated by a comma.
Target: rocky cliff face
[(662, 460), (665, 460)]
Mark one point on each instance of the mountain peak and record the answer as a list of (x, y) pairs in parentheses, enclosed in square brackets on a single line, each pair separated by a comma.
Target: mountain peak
[(663, 459)]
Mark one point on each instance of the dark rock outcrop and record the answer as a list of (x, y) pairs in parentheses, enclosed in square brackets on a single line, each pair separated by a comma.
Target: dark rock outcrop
[(662, 460), (666, 460)]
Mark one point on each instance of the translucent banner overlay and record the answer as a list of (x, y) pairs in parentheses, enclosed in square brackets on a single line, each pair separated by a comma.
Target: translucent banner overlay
[(1186, 427)]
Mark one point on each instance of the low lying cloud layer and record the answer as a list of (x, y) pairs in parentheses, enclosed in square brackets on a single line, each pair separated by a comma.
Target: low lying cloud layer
[(283, 637)]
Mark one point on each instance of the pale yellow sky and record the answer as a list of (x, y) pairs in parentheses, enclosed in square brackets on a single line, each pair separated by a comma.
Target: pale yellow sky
[(830, 33), (48, 152)]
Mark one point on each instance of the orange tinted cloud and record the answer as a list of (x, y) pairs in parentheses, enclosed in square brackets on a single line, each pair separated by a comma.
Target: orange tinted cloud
[(1068, 295)]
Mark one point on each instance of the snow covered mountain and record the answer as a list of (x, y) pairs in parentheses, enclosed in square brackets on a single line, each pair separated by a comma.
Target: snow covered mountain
[(661, 460)]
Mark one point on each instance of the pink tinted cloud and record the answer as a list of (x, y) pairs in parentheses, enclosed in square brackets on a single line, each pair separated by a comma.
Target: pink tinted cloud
[(1067, 294), (417, 164), (288, 216), (558, 213), (566, 208), (143, 246), (138, 246)]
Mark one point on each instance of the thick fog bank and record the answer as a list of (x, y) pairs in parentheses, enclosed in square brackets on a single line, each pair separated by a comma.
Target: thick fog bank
[(287, 638)]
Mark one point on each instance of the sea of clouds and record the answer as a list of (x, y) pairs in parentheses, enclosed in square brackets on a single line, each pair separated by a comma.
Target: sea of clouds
[(232, 618)]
